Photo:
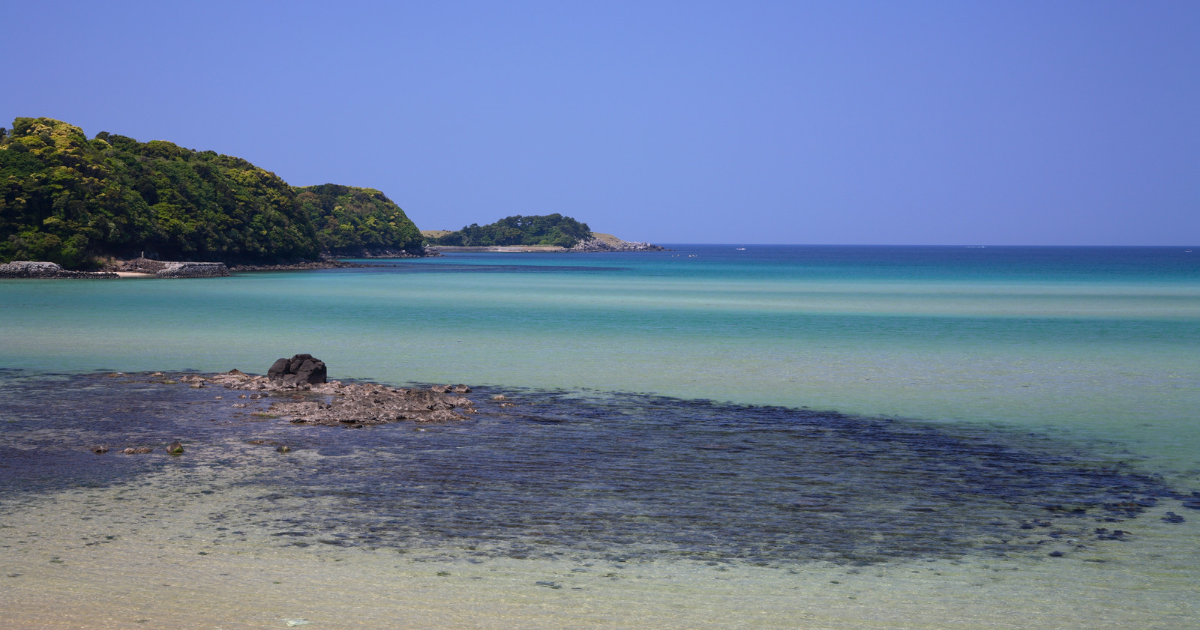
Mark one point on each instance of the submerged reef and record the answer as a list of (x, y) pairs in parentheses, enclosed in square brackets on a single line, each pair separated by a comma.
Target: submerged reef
[(627, 477)]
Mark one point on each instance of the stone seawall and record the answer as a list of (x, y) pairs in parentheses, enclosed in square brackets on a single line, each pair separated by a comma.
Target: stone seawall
[(192, 270), (160, 269), (49, 270)]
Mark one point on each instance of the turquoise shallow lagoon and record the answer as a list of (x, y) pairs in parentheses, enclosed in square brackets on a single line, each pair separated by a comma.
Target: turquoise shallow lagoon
[(1059, 355), (1102, 341)]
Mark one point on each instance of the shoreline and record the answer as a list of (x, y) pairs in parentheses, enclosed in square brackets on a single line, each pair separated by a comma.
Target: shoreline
[(302, 266), (540, 249)]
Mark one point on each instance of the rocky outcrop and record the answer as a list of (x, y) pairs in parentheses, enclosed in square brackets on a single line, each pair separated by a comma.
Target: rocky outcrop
[(613, 245), (369, 403), (301, 368), (334, 403), (192, 270), (32, 269), (302, 266)]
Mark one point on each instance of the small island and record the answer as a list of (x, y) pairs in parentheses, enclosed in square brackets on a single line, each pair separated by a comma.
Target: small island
[(546, 233)]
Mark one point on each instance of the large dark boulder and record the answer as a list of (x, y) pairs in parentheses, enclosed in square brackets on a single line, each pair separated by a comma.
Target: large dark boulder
[(301, 368)]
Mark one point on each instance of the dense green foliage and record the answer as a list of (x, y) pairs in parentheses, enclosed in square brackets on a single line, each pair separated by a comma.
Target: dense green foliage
[(550, 229), (353, 221), (67, 199)]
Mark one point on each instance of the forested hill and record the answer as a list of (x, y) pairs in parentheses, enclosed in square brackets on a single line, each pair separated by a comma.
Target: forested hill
[(353, 221), (550, 229), (71, 200)]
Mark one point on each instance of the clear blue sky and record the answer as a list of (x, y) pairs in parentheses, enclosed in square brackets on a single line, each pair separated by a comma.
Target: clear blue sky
[(842, 122)]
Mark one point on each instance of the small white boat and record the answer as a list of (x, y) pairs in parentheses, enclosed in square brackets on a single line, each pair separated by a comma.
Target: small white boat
[(742, 249)]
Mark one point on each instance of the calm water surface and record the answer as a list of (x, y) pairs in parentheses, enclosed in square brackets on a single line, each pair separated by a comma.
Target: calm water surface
[(855, 436)]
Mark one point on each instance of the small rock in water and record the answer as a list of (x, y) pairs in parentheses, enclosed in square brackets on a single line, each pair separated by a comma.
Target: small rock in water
[(298, 370), (176, 448), (499, 397), (1172, 517), (1056, 554), (284, 449), (100, 450), (141, 450), (462, 389)]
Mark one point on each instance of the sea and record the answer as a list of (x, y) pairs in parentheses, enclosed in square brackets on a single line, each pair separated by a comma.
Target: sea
[(712, 436)]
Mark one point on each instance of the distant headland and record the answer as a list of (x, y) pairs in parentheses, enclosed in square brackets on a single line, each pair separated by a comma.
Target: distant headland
[(547, 233), (104, 203)]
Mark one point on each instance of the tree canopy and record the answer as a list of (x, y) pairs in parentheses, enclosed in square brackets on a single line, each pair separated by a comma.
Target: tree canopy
[(354, 221), (550, 229), (67, 199)]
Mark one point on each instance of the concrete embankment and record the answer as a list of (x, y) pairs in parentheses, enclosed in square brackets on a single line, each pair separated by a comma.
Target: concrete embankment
[(173, 269), (192, 270)]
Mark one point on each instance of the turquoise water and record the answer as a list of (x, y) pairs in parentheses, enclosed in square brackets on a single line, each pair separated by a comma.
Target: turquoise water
[(1098, 342), (897, 437)]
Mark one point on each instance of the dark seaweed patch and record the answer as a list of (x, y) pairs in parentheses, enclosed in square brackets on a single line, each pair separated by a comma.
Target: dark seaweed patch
[(622, 476)]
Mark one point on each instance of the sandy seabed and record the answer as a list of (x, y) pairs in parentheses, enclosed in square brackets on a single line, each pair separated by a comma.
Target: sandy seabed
[(144, 554)]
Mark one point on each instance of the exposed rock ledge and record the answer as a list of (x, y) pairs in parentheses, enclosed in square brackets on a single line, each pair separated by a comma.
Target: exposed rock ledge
[(347, 404), (613, 244), (31, 269), (302, 266)]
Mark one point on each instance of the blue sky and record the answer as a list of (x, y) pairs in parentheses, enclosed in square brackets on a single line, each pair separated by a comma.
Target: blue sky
[(1070, 123)]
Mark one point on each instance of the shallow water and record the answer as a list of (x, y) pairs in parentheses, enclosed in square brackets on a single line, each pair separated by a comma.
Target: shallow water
[(904, 436), (630, 477), (1096, 341)]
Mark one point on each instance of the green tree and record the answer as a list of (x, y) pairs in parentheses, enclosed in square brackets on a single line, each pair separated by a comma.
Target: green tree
[(356, 221), (67, 199), (550, 229)]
